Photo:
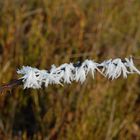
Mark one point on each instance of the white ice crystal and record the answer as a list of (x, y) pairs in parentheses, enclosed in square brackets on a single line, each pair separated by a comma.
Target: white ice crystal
[(129, 63), (91, 66), (114, 68), (54, 77), (80, 74), (120, 68), (31, 77), (68, 70)]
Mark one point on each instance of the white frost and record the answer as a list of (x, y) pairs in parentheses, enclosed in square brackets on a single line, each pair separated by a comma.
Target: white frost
[(67, 73)]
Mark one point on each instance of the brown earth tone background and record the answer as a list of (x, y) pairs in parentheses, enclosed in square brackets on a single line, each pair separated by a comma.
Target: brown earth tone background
[(40, 33)]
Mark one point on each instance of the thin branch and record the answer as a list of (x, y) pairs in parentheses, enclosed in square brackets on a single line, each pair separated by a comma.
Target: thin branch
[(18, 82), (10, 85)]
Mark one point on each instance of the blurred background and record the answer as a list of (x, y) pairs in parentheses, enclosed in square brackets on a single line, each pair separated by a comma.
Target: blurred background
[(40, 33)]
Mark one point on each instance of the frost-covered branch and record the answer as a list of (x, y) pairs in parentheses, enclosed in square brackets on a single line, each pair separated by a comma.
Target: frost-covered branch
[(67, 73)]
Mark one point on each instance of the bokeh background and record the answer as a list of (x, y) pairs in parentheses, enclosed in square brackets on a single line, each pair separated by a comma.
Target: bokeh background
[(40, 33)]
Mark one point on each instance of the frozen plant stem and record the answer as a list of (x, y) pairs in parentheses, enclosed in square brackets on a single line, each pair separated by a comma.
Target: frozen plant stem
[(67, 73)]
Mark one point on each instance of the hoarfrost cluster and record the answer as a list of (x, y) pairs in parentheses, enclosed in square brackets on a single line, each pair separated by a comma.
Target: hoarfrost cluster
[(67, 73)]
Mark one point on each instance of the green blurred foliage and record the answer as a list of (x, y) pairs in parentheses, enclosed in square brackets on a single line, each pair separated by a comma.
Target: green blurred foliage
[(44, 32)]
